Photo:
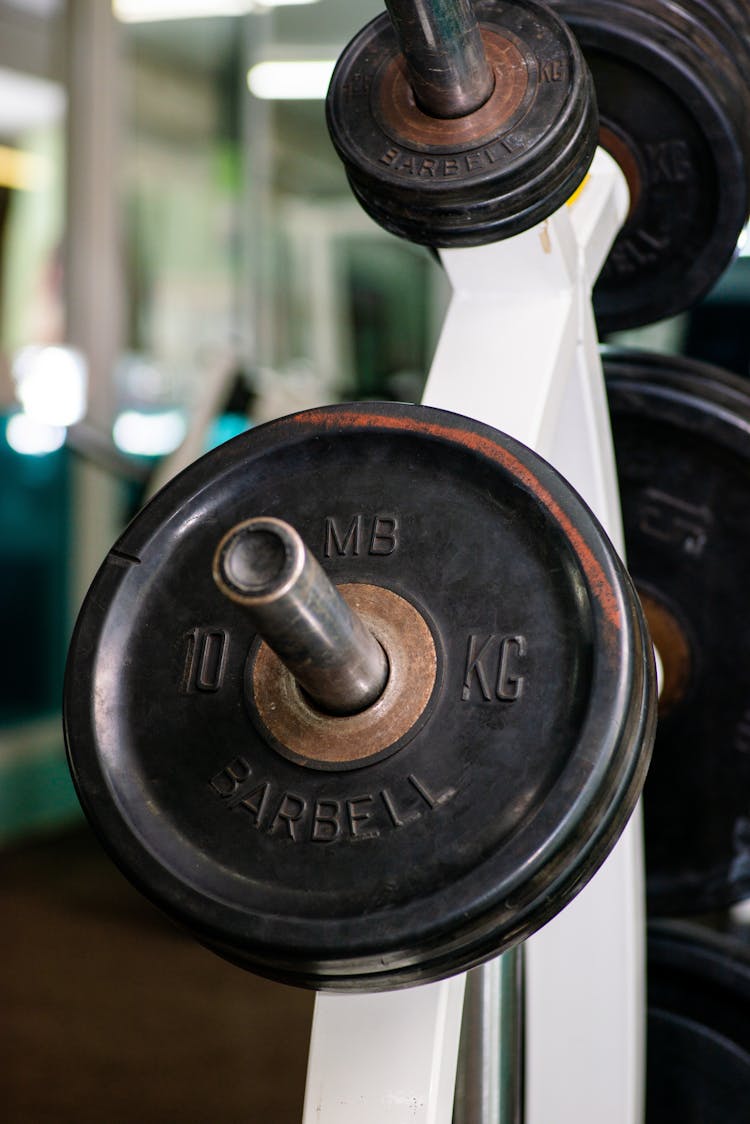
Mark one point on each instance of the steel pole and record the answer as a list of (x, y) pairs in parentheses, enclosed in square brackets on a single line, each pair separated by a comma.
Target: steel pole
[(445, 56), (264, 565)]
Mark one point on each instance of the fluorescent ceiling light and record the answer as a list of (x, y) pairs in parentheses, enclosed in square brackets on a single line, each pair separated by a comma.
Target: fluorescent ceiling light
[(291, 81), (151, 11), (149, 435), (51, 384), (33, 438)]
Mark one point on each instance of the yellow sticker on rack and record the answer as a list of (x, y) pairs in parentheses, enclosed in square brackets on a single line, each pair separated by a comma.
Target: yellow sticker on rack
[(578, 190)]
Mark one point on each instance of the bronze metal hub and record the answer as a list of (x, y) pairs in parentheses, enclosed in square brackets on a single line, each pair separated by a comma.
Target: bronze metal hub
[(671, 642), (297, 729), (623, 153), (404, 121)]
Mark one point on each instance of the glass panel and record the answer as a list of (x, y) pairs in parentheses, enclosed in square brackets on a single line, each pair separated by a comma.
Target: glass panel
[(37, 391), (250, 266), (42, 390)]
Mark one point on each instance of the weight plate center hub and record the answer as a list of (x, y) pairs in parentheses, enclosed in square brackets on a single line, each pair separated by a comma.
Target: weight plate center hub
[(670, 638), (300, 730), (403, 119)]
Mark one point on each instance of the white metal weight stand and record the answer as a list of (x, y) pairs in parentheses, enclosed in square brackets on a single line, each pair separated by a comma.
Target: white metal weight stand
[(519, 351)]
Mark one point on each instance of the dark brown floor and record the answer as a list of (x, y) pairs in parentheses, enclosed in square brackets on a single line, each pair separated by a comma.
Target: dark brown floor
[(108, 1014)]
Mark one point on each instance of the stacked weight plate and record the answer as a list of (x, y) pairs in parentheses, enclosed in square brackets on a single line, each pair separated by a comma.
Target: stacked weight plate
[(397, 844), (483, 176), (682, 440), (674, 101), (698, 1027)]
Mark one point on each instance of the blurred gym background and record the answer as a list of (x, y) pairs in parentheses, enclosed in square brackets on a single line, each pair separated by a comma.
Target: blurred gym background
[(180, 257)]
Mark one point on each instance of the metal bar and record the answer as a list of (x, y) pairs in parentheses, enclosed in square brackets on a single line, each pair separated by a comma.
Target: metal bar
[(264, 565), (489, 1085), (444, 52)]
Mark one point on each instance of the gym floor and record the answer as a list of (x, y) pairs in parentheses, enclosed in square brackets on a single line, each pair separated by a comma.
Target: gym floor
[(111, 1015)]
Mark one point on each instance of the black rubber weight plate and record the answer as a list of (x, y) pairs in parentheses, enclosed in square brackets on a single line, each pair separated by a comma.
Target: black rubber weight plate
[(698, 1069), (483, 177), (495, 812), (673, 102), (682, 440)]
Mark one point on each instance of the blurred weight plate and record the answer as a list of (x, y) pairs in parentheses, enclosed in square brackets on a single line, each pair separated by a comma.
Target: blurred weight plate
[(682, 441), (674, 101), (698, 1064)]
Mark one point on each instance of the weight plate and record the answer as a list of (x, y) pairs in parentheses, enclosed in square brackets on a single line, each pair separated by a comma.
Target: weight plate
[(478, 178), (681, 433), (698, 1067), (396, 863), (702, 378), (673, 105), (723, 19)]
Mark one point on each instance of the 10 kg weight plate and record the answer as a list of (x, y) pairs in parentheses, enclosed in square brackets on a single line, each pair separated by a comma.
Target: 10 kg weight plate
[(474, 179), (400, 857)]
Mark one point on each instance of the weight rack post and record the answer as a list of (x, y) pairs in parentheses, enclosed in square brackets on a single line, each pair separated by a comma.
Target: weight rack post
[(444, 52), (264, 565)]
